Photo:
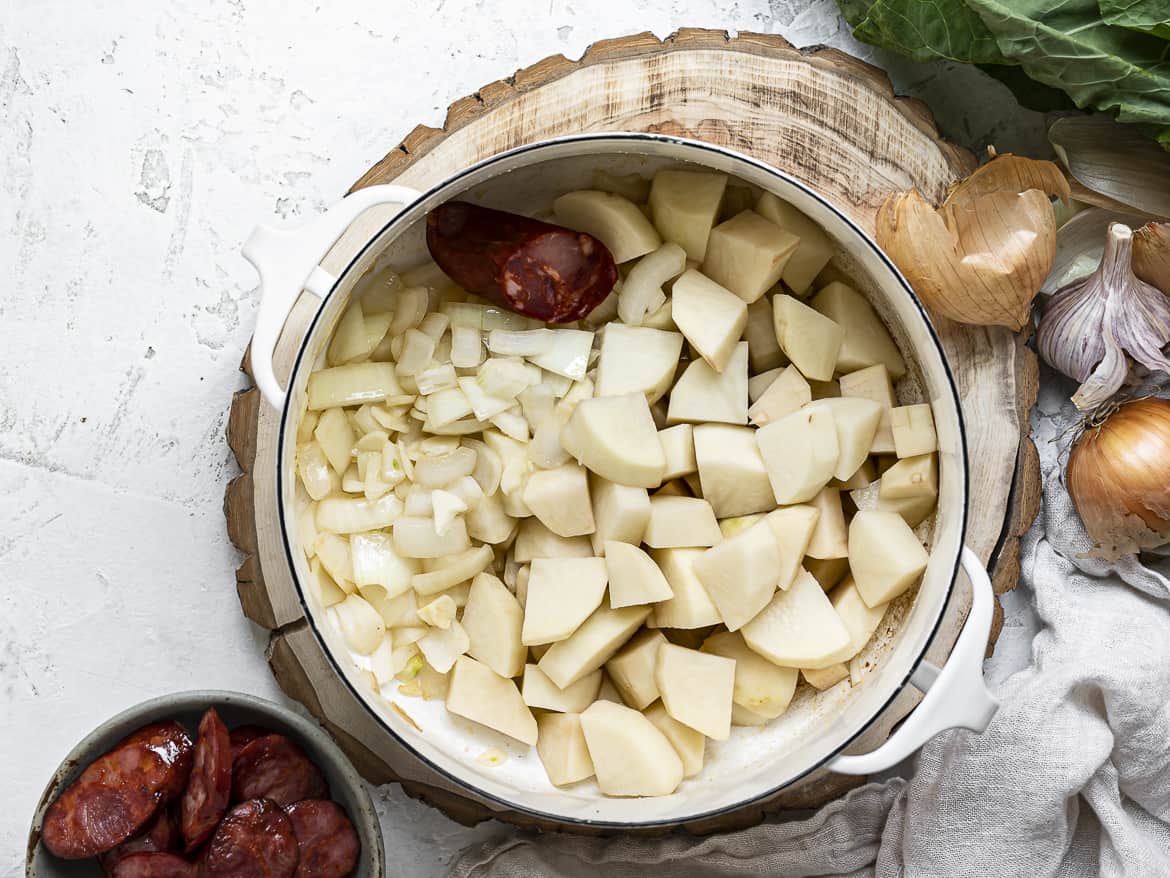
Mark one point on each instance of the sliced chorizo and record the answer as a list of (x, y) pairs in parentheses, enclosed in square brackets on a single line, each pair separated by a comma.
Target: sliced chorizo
[(531, 267), (118, 793), (254, 840), (210, 786), (154, 865), (328, 843), (160, 835), (273, 767), (241, 736)]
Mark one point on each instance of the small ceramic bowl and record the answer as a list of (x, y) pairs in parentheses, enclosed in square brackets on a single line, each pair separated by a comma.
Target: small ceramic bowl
[(236, 708)]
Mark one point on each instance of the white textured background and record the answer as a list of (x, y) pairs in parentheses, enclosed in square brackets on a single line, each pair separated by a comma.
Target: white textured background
[(139, 142)]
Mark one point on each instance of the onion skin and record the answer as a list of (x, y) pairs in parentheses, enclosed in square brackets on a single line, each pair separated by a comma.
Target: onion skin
[(1118, 477)]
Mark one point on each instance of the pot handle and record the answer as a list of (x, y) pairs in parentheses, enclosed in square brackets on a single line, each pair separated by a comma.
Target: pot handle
[(287, 260), (955, 695)]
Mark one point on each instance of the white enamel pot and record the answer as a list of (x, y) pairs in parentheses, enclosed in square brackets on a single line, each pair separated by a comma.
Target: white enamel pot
[(755, 762)]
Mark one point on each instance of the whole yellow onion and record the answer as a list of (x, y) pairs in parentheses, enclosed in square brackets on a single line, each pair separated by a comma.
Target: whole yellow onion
[(1118, 476)]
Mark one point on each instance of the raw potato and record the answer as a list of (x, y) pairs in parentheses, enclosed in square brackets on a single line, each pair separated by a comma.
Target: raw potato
[(615, 437), (729, 527), (866, 340), (873, 382), (859, 618), (562, 593), (634, 578), (799, 628), (826, 678), (592, 644), (829, 538), (620, 512), (534, 540), (884, 555), (763, 350), (815, 248), (711, 317), (560, 499), (562, 750), (685, 205), (856, 421), (786, 394), (361, 625), (913, 427), (637, 359), (631, 757), (703, 395), (800, 452), (678, 444), (612, 219), (809, 339), (747, 254), (632, 669), (741, 716), (696, 688), (691, 606), (760, 686), (488, 522), (757, 384), (793, 528), (493, 620), (914, 510), (417, 538), (478, 693), (687, 743), (911, 477), (741, 574), (828, 571), (731, 470), (442, 646), (541, 692), (680, 521)]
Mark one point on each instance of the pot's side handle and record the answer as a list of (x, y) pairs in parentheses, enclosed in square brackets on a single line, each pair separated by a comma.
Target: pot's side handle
[(956, 695), (287, 260)]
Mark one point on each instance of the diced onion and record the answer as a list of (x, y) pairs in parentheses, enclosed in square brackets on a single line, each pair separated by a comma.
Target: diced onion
[(418, 502), (466, 348), (328, 591), (524, 343), (441, 647), (435, 445), (503, 377), (483, 406), (438, 471), (374, 562), (352, 385), (435, 378), (446, 406), (545, 448), (361, 626), (345, 515), (336, 438), (512, 424), (464, 315), (538, 402), (374, 440), (462, 427), (568, 354), (417, 538), (350, 341), (439, 613), (487, 466), (446, 507), (409, 309), (352, 481), (643, 285), (395, 611), (318, 477), (417, 349), (333, 553), (409, 634), (558, 384), (307, 529), (467, 489), (382, 661), (434, 325)]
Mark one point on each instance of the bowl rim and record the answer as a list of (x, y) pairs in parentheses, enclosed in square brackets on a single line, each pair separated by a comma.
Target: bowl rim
[(365, 823), (616, 138)]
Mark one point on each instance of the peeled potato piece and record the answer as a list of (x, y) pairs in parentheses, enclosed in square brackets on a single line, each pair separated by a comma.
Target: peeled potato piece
[(637, 359), (615, 437), (809, 339), (760, 686), (785, 395), (763, 349), (731, 471), (493, 619), (914, 510), (559, 497), (913, 428), (541, 692), (813, 252), (632, 669), (612, 219), (911, 477), (800, 452), (562, 593), (680, 521), (741, 716), (884, 554), (696, 688), (685, 205), (691, 606), (634, 578), (620, 513), (741, 573), (873, 382), (859, 617), (830, 539), (592, 644), (856, 421), (799, 628), (534, 540), (825, 678), (562, 749), (712, 318), (703, 395), (747, 254), (687, 743), (631, 757), (478, 693), (865, 339)]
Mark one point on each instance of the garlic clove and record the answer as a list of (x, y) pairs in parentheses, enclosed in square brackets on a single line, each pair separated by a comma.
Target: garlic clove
[(1113, 161), (1079, 244), (1090, 325), (1009, 173), (977, 260), (1151, 255)]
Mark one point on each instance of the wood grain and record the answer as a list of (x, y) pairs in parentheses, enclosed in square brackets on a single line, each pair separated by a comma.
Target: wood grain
[(829, 119)]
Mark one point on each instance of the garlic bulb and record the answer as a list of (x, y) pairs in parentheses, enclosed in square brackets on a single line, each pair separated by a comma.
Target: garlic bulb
[(1090, 325), (1116, 477), (1151, 255)]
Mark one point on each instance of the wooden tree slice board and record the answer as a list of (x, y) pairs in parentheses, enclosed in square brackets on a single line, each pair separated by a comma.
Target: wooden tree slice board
[(822, 116)]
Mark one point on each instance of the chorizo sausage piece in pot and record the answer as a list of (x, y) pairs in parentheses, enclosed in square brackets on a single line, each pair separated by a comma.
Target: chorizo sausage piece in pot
[(206, 798), (154, 865), (119, 792), (273, 767), (328, 843), (160, 835), (531, 267), (254, 840), (242, 736)]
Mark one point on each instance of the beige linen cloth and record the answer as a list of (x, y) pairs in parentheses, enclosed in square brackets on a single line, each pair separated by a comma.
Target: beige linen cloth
[(1072, 778)]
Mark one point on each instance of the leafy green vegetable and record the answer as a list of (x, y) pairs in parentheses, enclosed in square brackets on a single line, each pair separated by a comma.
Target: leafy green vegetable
[(1108, 55)]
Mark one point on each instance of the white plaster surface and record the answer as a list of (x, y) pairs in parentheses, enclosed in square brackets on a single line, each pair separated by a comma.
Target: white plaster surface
[(140, 140)]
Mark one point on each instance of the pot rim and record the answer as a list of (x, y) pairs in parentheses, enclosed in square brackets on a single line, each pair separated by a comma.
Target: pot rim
[(618, 137)]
